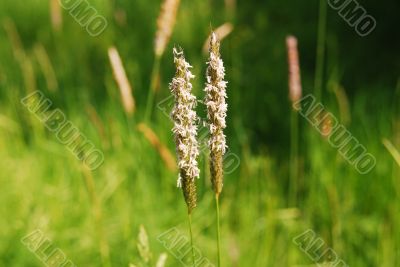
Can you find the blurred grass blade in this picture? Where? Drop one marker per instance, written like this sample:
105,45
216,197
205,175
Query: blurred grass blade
343,102
55,15
165,25
122,81
320,62
222,32
15,39
46,67
143,245
162,260
165,154
392,150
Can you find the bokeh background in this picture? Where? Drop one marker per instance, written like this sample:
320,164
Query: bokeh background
94,217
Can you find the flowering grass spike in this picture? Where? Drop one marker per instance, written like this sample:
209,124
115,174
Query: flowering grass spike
185,128
216,112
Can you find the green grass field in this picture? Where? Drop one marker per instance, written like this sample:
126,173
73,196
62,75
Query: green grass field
94,217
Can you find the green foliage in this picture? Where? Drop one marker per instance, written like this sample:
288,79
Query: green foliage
42,184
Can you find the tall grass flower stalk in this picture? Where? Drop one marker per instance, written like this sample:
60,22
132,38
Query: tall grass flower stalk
185,133
165,25
320,61
216,113
295,92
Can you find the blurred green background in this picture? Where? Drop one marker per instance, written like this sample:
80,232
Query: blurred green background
44,187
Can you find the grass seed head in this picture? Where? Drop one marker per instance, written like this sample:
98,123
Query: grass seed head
143,245
122,80
56,15
165,25
185,128
216,112
294,69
